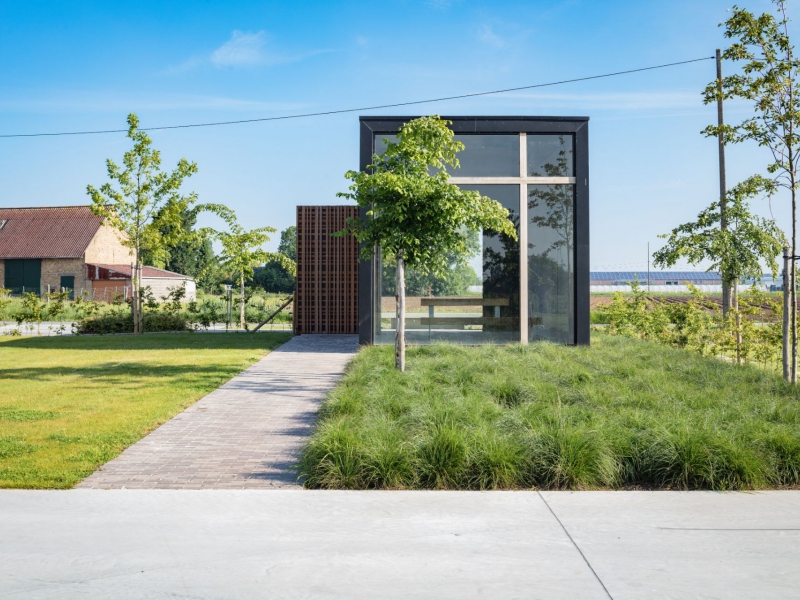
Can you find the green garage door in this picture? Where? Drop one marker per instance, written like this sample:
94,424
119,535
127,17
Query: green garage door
23,275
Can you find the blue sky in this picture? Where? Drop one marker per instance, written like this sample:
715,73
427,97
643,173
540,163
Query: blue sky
86,65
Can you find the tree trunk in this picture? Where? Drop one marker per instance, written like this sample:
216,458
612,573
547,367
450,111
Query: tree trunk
141,298
400,329
785,332
241,300
135,305
738,322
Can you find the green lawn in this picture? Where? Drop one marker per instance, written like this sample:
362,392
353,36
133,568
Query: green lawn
70,404
619,414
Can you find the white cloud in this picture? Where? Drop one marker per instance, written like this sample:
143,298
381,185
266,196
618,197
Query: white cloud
439,4
243,49
488,36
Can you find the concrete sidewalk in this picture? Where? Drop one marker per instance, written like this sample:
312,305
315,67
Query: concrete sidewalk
353,545
246,434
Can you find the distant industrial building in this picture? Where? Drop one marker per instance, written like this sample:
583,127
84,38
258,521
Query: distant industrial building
667,278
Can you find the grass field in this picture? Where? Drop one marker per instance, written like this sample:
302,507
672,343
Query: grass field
619,414
70,404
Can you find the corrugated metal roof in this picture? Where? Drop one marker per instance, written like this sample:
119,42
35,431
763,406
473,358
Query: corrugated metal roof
125,271
642,275
47,232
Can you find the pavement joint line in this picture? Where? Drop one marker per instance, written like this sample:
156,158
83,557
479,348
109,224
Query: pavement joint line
583,556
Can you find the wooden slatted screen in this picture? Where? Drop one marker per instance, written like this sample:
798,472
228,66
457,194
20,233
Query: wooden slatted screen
326,296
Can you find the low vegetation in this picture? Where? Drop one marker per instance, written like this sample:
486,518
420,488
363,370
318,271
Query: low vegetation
749,333
168,313
623,414
70,404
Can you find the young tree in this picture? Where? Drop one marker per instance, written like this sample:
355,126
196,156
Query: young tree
242,251
767,79
147,207
736,251
417,217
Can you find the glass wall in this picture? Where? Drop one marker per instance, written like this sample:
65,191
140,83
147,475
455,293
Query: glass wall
486,298
551,297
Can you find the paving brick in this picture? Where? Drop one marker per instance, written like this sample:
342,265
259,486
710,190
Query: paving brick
246,434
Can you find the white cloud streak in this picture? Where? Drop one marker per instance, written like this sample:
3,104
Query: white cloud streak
243,49
487,35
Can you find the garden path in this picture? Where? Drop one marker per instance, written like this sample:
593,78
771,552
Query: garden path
246,434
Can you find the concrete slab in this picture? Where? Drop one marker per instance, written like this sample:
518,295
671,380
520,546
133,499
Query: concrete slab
687,544
285,544
246,434
215,544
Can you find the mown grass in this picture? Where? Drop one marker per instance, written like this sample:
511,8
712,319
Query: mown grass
70,404
620,414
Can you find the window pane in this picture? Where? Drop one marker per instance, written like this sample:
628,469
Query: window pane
476,302
380,147
551,263
488,156
482,156
550,156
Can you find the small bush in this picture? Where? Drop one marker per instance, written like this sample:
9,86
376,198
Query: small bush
118,322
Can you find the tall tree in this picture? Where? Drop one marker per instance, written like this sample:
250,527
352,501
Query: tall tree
288,245
767,80
242,251
415,216
146,204
191,254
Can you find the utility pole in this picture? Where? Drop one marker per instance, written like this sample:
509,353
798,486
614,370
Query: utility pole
786,256
723,191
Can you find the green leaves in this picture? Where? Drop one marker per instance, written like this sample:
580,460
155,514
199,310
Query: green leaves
736,252
146,205
417,212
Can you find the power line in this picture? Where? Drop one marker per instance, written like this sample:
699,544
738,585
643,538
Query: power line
364,108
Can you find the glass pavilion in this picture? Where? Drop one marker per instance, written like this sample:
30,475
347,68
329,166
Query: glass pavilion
536,288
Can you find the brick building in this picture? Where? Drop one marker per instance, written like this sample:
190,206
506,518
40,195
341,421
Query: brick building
50,248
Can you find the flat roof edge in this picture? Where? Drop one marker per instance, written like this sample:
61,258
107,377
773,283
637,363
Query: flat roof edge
471,117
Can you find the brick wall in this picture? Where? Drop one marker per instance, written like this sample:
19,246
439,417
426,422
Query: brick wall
54,268
326,297
106,248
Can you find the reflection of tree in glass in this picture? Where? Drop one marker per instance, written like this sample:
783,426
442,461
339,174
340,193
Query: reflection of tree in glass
501,270
458,276
551,209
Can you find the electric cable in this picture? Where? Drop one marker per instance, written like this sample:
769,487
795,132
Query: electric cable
364,108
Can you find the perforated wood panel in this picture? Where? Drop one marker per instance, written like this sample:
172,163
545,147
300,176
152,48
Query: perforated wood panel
326,297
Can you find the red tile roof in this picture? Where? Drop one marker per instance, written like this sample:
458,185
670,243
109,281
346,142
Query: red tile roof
101,271
47,232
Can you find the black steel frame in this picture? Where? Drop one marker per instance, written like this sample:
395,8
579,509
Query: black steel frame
577,126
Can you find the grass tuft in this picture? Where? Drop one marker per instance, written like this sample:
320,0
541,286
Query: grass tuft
621,414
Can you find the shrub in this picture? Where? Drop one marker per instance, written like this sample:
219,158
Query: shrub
122,322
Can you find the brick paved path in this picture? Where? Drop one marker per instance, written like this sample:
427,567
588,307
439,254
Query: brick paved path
246,434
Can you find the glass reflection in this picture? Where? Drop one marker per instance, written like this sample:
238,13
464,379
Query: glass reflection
488,156
476,302
550,155
482,156
551,263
